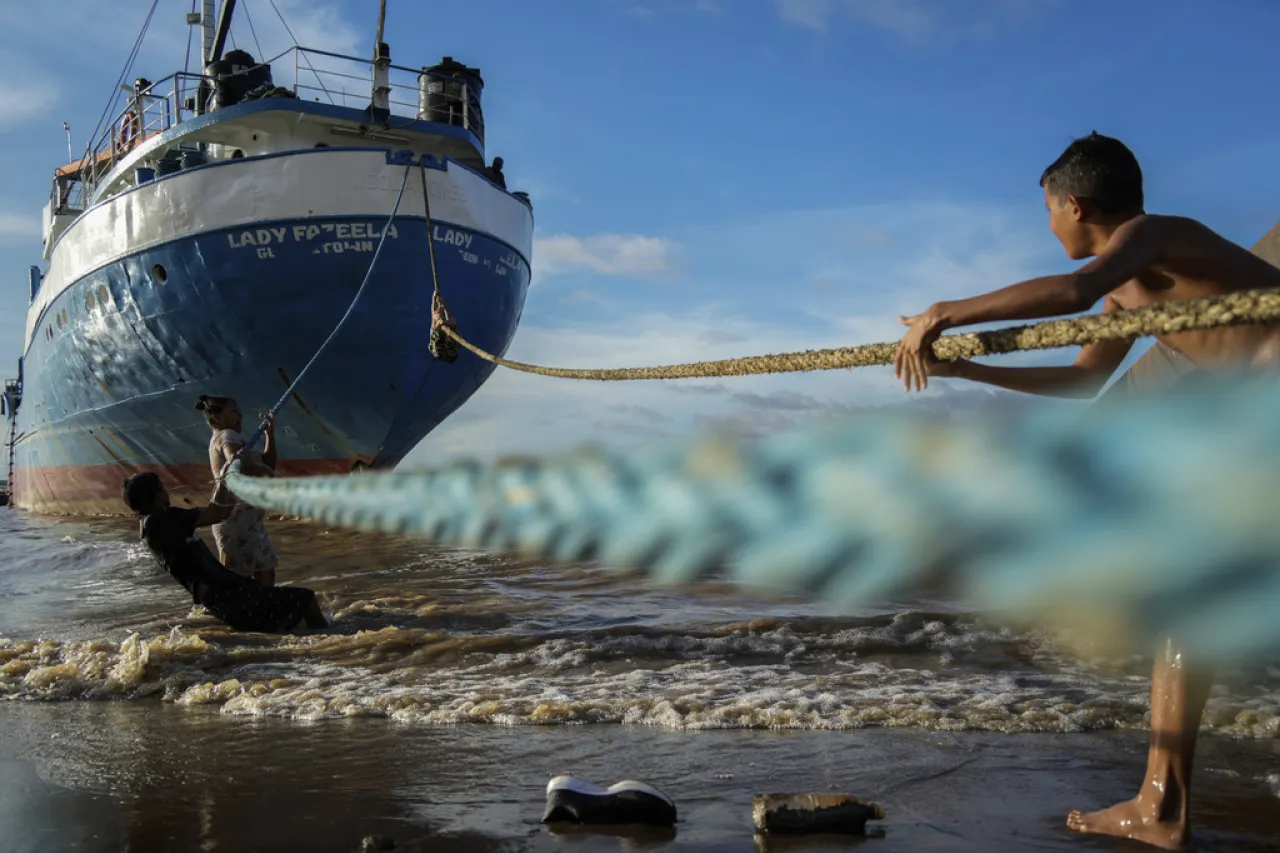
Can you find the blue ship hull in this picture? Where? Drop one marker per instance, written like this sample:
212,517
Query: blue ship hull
120,356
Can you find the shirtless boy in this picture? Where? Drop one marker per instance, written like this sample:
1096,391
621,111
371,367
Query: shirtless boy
1093,193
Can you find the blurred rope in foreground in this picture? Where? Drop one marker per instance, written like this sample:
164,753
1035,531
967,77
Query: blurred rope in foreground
1139,516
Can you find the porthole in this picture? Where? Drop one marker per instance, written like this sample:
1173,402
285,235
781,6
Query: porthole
59,322
88,300
103,295
159,274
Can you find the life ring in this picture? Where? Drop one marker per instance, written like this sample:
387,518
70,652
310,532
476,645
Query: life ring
128,134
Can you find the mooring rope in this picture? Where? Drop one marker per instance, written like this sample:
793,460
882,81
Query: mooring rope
1142,516
368,276
1250,306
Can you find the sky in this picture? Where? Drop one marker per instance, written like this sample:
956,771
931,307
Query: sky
719,178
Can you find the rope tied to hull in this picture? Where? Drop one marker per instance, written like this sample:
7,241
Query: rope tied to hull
444,329
368,276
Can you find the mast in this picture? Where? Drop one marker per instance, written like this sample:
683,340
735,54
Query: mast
380,107
220,34
214,38
206,26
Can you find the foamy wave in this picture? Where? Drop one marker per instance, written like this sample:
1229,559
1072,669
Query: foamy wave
743,676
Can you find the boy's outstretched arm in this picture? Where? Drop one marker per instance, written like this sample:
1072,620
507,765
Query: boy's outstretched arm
1133,247
1093,367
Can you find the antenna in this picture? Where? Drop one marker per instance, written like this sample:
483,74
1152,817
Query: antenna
70,156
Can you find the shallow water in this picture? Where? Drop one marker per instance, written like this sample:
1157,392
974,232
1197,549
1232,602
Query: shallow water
126,701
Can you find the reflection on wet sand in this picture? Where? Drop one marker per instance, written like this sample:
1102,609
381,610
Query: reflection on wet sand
143,776
632,837
814,843
163,778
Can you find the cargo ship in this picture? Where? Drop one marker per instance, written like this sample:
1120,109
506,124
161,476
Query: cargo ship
211,239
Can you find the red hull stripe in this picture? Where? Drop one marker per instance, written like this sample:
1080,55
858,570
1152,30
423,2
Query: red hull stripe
95,489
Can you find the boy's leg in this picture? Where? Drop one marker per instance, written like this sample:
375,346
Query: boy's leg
1160,814
265,578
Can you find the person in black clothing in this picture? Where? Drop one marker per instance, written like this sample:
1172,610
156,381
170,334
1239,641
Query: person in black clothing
240,602
495,173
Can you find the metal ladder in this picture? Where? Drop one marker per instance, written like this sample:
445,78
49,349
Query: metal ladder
13,430
13,397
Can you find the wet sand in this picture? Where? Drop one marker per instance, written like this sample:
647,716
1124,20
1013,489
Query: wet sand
144,776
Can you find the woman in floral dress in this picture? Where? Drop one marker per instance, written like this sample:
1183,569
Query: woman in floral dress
243,545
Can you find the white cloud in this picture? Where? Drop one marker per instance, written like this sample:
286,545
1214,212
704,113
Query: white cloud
909,19
653,8
606,254
323,26
320,26
585,296
807,13
19,225
914,20
22,101
25,94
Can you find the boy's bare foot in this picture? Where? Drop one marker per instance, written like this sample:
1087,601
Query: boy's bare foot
1134,819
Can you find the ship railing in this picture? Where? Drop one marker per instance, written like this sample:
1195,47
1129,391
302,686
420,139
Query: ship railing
415,93
67,194
147,112
318,75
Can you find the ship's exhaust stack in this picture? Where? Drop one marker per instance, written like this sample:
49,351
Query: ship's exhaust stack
450,92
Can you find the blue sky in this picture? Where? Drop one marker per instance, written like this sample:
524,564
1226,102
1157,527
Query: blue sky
714,178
